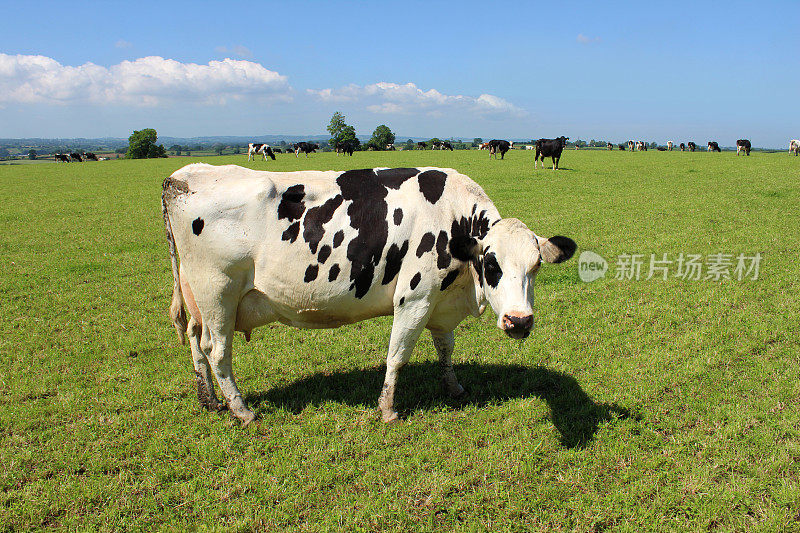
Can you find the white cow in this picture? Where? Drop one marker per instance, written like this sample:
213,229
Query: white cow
669,145
259,148
320,249
794,146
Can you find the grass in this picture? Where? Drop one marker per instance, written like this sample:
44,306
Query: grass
635,405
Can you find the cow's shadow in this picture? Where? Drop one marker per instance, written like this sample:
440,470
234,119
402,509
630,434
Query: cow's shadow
574,414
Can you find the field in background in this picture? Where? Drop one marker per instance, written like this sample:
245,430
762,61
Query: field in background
634,405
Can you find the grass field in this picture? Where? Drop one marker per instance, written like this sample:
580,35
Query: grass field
635,405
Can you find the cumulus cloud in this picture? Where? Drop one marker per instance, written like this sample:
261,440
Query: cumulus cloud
392,98
147,81
238,51
585,39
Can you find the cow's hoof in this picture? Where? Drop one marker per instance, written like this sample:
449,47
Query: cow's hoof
456,393
391,418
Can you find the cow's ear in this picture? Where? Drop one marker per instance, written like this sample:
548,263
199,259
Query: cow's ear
465,248
556,249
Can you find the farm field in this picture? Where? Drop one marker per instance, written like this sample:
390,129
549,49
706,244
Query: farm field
635,404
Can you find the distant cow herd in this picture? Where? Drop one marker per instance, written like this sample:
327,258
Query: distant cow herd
76,157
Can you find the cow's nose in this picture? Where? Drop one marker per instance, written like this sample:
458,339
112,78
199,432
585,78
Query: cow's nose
517,325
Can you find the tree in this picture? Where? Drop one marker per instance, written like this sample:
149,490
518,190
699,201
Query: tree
477,141
381,137
336,125
32,154
409,144
218,147
142,145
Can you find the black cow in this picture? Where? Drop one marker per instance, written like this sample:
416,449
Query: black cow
75,156
609,146
63,158
436,145
497,145
89,156
621,147
661,148
743,145
549,148
447,146
692,146
683,147
305,147
277,151
348,147
422,146
713,147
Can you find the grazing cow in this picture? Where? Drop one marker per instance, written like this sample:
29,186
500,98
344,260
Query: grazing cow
794,146
305,147
277,151
422,145
498,145
621,147
61,158
609,146
661,148
436,145
530,147
682,147
483,146
669,145
259,148
630,146
713,147
692,146
89,156
75,156
347,147
321,249
743,145
549,148
390,147
447,146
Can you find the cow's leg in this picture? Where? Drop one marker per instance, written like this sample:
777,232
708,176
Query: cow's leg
202,369
444,343
406,328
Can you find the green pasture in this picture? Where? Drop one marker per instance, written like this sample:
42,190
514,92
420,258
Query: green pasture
635,405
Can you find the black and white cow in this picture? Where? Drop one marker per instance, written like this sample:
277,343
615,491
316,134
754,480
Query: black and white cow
743,145
609,146
390,147
75,156
794,146
669,145
498,145
713,147
621,147
321,249
682,147
692,146
422,145
259,148
89,156
436,145
61,158
447,146
549,148
305,147
630,146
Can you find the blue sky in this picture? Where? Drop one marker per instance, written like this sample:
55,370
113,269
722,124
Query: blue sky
662,71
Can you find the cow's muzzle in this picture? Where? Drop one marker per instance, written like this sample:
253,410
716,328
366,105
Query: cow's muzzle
517,326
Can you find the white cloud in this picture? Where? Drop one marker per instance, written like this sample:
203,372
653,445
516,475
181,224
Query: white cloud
584,39
147,81
238,51
122,43
392,98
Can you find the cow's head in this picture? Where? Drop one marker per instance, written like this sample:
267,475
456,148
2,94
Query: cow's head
507,260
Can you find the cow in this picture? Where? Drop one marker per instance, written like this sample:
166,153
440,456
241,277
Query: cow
498,145
61,158
422,145
347,146
436,145
794,146
713,147
259,148
682,147
661,148
75,156
609,146
389,147
447,146
669,145
743,145
630,146
549,148
640,146
89,156
320,249
305,147
692,146
277,151
483,146
621,147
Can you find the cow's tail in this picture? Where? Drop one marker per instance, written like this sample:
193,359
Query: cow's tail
176,311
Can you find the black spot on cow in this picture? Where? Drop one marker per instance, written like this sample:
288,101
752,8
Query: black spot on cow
462,247
334,273
431,184
449,279
316,218
197,225
338,237
402,299
292,206
395,177
324,254
477,264
394,260
398,216
442,256
367,214
311,273
415,280
426,244
492,270
472,226
291,232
